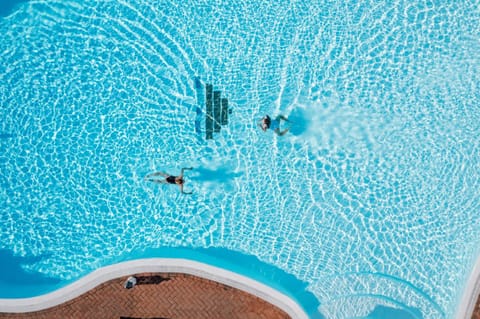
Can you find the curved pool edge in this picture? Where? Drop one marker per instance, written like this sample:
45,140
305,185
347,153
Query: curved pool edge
470,294
165,265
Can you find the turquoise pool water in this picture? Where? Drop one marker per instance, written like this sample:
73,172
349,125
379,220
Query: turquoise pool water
371,200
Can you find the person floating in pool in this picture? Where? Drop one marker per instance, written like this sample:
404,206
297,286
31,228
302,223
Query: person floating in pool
267,123
169,179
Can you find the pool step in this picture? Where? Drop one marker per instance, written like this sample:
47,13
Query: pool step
216,111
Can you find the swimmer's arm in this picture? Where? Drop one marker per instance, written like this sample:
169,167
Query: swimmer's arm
186,193
259,124
184,169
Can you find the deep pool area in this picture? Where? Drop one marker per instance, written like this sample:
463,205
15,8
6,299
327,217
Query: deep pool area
366,208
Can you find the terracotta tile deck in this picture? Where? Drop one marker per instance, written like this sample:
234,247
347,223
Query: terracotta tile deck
476,312
180,296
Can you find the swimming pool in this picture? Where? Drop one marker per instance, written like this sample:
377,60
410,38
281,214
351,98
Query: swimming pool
372,198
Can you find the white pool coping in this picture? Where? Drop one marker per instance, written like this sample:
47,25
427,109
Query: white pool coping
470,294
167,265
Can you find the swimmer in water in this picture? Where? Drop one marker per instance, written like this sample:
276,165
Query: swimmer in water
267,123
169,179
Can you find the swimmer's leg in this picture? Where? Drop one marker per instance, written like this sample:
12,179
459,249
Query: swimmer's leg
157,174
281,117
157,181
281,133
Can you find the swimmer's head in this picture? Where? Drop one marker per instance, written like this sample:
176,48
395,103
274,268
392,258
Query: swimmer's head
266,121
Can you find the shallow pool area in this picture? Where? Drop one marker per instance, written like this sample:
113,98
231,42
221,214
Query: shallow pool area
367,207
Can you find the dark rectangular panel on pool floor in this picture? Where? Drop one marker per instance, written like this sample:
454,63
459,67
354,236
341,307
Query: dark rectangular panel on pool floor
217,108
224,111
209,111
199,106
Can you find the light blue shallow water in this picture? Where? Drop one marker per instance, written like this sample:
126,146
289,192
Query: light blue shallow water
372,199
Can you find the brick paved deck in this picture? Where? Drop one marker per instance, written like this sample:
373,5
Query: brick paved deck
476,312
180,296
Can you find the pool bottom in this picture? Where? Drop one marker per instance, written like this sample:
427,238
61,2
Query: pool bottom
160,265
